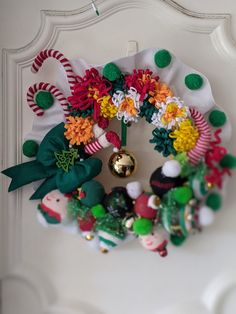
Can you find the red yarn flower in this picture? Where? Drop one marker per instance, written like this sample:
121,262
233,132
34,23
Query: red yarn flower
212,158
88,90
143,81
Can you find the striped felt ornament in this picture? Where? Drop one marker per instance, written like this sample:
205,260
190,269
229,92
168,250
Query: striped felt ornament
46,87
204,139
47,53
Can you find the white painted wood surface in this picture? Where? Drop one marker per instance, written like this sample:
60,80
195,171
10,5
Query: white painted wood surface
48,271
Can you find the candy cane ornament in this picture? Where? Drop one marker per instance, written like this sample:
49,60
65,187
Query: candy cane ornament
204,139
45,54
46,87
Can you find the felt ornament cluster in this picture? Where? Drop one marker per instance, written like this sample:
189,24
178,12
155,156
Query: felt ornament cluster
185,192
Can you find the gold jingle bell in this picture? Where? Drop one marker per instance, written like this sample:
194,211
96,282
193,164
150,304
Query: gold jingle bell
122,164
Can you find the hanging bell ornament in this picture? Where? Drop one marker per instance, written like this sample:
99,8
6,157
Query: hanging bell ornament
122,164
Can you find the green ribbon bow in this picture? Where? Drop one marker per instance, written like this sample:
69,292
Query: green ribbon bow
45,166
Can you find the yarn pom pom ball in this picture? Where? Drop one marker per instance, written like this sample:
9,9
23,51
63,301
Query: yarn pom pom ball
217,118
205,216
30,148
182,195
193,81
171,168
44,99
111,72
214,201
228,161
162,58
98,211
142,226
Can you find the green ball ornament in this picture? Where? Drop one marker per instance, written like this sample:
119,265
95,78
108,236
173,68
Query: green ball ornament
98,211
182,195
214,201
193,81
217,118
44,100
111,72
162,58
228,161
142,226
30,148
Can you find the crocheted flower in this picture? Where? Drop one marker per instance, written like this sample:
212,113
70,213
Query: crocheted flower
143,81
88,90
159,95
170,113
107,109
128,105
147,110
185,136
79,130
163,143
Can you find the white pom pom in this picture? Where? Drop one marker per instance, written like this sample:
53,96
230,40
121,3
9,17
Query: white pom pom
134,189
171,168
206,216
115,149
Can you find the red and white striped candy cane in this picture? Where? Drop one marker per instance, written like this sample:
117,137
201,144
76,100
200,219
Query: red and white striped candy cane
204,139
104,140
45,54
50,88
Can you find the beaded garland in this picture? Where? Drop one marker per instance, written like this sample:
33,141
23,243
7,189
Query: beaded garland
184,193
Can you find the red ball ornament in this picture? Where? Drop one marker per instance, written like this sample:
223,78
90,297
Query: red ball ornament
142,209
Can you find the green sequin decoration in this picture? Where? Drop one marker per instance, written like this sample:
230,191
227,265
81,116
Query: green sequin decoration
111,225
66,159
163,143
76,209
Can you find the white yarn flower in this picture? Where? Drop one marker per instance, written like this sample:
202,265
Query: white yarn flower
170,113
128,105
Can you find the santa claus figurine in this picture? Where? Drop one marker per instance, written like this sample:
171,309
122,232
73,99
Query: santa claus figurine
156,241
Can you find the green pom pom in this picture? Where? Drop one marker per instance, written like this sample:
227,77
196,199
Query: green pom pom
193,81
162,58
228,161
217,118
182,195
98,211
111,72
30,148
142,226
44,99
177,240
214,201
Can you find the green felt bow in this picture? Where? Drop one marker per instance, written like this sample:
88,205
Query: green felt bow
45,166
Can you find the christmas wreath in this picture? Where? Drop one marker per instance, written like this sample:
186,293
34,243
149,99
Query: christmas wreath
71,127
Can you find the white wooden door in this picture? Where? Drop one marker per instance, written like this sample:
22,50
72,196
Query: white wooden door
49,271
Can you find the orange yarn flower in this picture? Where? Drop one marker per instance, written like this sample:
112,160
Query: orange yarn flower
160,94
79,130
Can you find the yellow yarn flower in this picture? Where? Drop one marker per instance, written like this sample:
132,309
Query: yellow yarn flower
185,136
107,109
79,130
161,93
